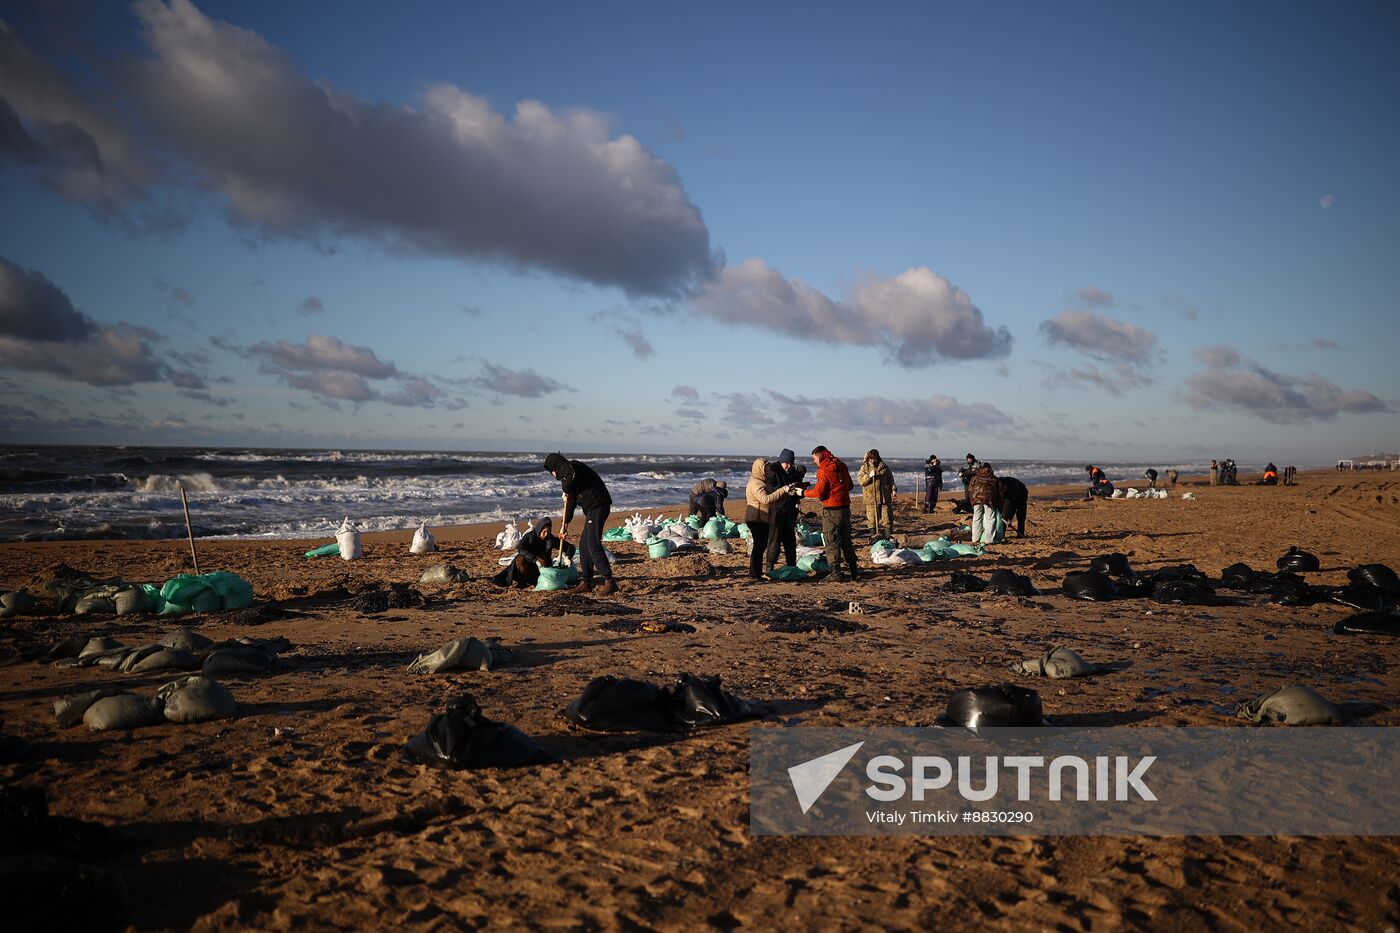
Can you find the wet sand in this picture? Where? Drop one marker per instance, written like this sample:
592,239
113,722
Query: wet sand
301,814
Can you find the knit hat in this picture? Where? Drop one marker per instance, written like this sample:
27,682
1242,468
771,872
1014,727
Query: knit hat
787,457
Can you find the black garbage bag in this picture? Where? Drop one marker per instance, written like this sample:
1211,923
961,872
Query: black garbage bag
701,701
1188,593
1008,583
613,704
1091,585
1378,575
1289,589
1138,587
1181,573
463,738
1297,561
1115,565
1238,577
1369,623
43,892
994,705
963,582
1363,596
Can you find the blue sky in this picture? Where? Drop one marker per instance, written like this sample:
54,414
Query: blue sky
1090,231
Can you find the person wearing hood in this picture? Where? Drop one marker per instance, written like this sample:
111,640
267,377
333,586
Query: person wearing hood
833,490
985,494
877,487
707,498
585,490
535,549
782,521
760,497
933,483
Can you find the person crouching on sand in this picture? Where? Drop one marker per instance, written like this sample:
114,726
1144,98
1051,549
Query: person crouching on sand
833,490
585,489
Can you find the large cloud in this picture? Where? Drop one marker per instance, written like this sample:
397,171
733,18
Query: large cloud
522,383
1233,382
544,189
867,415
41,331
918,316
1130,351
336,371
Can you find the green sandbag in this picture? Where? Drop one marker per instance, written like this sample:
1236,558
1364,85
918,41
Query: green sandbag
182,590
730,530
325,550
962,549
154,601
787,574
744,531
713,529
940,548
557,578
814,563
694,522
813,539
234,592
617,534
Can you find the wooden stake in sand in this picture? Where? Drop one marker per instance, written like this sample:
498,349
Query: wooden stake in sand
189,529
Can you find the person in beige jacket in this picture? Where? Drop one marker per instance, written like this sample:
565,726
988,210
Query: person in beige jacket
759,496
877,485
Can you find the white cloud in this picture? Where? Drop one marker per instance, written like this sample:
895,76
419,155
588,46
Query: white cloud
1235,383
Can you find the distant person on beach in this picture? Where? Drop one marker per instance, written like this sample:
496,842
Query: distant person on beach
833,490
1098,482
1214,473
1171,477
1290,475
985,495
1151,475
1270,476
782,515
933,483
877,486
760,497
1229,473
584,489
966,473
707,498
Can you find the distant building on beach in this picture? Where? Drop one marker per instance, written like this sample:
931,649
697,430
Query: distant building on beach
1374,461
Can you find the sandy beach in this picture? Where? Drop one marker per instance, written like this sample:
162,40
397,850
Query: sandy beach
300,813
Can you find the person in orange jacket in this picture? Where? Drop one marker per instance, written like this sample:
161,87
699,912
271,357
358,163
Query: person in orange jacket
833,490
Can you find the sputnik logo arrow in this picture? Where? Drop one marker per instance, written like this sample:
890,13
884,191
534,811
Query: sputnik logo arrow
811,778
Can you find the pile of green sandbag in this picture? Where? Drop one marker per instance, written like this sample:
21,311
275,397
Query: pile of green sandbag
620,533
943,549
208,592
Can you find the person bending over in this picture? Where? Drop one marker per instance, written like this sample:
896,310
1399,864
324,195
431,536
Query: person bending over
585,489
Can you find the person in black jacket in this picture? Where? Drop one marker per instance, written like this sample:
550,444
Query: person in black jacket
585,489
782,533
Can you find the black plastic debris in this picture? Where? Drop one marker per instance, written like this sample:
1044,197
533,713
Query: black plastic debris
1378,575
964,582
1115,565
1369,623
462,738
1091,585
1008,583
995,705
611,704
1296,561
1238,576
1363,596
1188,593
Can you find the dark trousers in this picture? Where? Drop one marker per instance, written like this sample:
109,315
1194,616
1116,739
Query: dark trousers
931,498
836,532
759,532
782,534
591,555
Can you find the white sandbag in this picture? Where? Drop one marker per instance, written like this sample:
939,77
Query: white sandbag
1118,494
1188,495
464,654
509,539
1132,494
423,541
805,551
899,557
349,540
